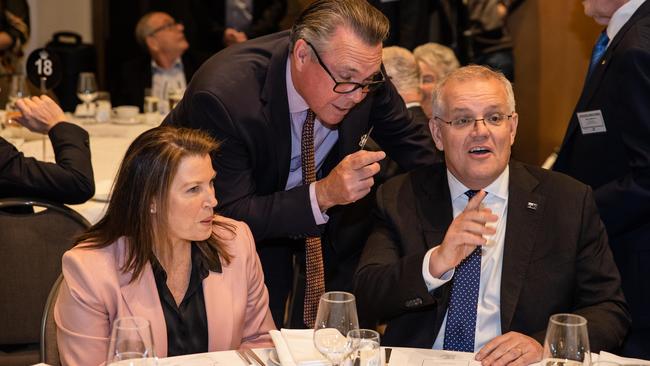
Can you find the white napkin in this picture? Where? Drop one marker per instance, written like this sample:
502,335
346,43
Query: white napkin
606,356
295,347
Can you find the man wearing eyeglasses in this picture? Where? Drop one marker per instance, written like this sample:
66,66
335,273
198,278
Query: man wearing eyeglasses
287,174
164,67
476,253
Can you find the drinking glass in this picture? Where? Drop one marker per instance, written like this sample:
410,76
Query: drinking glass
131,343
336,316
87,89
567,341
17,90
366,343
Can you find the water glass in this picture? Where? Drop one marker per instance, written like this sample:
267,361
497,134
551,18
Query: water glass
336,316
87,92
367,346
131,343
567,341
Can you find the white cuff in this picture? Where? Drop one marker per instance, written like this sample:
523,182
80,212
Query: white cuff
320,217
433,282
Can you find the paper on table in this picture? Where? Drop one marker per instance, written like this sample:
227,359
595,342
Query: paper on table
103,190
295,347
606,356
429,357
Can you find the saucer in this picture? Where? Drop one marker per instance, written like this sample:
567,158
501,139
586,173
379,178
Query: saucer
126,121
273,358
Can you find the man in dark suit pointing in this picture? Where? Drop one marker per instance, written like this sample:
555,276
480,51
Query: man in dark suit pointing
260,98
475,254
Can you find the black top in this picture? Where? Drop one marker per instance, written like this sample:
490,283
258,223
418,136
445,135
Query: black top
187,325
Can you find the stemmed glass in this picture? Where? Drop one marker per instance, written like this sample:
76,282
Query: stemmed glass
367,346
131,343
87,89
567,341
336,316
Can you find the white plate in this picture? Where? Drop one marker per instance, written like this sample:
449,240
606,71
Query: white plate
273,358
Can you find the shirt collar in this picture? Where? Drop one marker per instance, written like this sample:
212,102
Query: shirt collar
621,16
178,64
296,103
413,104
498,188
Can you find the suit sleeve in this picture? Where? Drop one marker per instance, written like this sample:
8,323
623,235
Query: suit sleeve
598,295
81,316
258,320
624,203
385,276
236,190
405,141
69,180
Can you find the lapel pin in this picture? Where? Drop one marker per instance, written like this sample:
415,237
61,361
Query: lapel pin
531,206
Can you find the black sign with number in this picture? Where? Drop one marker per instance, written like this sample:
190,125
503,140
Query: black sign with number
42,63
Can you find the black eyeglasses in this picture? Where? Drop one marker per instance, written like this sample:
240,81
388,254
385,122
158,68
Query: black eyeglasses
163,27
346,87
495,119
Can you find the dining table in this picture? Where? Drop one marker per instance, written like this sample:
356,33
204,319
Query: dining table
108,144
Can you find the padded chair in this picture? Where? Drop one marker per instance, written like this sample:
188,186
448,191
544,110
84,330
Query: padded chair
34,234
49,348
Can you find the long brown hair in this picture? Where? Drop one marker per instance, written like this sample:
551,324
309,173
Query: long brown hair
145,176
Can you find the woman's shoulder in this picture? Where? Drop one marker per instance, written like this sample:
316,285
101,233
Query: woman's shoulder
230,229
85,255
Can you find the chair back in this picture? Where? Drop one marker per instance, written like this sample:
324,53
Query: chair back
49,348
31,247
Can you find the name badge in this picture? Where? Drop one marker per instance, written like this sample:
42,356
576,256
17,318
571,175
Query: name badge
591,122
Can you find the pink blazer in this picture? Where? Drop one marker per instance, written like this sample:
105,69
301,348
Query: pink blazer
94,293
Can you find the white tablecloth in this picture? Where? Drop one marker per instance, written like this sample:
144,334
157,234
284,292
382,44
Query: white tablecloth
108,143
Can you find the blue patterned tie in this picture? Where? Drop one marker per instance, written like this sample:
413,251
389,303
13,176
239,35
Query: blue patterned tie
599,50
461,314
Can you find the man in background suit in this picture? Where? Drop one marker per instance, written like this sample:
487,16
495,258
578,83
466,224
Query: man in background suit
607,145
256,98
529,243
164,66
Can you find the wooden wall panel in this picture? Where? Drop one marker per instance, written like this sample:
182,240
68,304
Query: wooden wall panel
553,40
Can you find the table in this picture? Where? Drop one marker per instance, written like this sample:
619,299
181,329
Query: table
108,143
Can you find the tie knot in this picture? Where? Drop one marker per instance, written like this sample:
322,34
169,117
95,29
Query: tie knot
471,193
603,40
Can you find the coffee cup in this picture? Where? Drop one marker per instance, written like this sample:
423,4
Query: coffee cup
126,112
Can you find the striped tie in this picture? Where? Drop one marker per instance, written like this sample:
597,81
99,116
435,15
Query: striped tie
315,284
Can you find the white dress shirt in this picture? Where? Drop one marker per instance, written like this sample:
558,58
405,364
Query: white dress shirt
620,17
488,319
167,81
324,140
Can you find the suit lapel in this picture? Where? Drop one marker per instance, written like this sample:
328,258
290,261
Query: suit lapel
525,213
141,299
220,320
593,81
434,207
276,112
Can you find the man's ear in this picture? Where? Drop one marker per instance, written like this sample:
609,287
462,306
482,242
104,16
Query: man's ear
301,54
434,127
152,44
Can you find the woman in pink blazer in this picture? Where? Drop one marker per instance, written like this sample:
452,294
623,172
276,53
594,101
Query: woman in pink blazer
162,254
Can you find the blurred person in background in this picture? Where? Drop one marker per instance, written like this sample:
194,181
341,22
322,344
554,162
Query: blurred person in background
14,33
161,253
164,67
435,62
70,179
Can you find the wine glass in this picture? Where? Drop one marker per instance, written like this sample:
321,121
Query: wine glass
17,90
567,341
87,90
367,346
336,316
131,343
